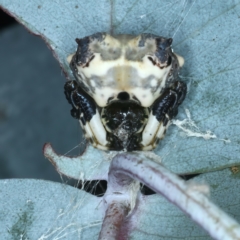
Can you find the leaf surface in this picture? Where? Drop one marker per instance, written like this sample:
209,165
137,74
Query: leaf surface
206,33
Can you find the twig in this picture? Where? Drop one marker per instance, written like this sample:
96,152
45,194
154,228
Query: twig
120,199
128,166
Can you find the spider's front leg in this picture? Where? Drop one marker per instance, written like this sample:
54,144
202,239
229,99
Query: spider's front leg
163,110
84,108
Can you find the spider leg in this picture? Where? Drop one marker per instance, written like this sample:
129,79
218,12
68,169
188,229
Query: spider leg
163,110
84,108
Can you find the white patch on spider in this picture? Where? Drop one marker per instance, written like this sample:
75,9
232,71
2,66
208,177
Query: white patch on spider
88,130
190,129
153,83
180,60
160,133
98,129
150,130
93,83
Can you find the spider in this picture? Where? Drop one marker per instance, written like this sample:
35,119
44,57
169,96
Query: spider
126,91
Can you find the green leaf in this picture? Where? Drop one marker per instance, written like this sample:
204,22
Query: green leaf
206,34
37,209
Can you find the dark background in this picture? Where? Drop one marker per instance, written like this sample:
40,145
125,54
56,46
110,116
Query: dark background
33,108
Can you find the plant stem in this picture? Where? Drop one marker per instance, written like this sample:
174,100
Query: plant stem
189,198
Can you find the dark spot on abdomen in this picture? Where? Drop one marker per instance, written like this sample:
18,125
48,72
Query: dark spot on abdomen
123,96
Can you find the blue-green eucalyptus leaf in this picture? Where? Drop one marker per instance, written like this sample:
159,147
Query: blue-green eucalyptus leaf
205,33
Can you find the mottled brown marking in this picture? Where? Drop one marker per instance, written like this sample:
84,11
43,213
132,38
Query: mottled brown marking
234,169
